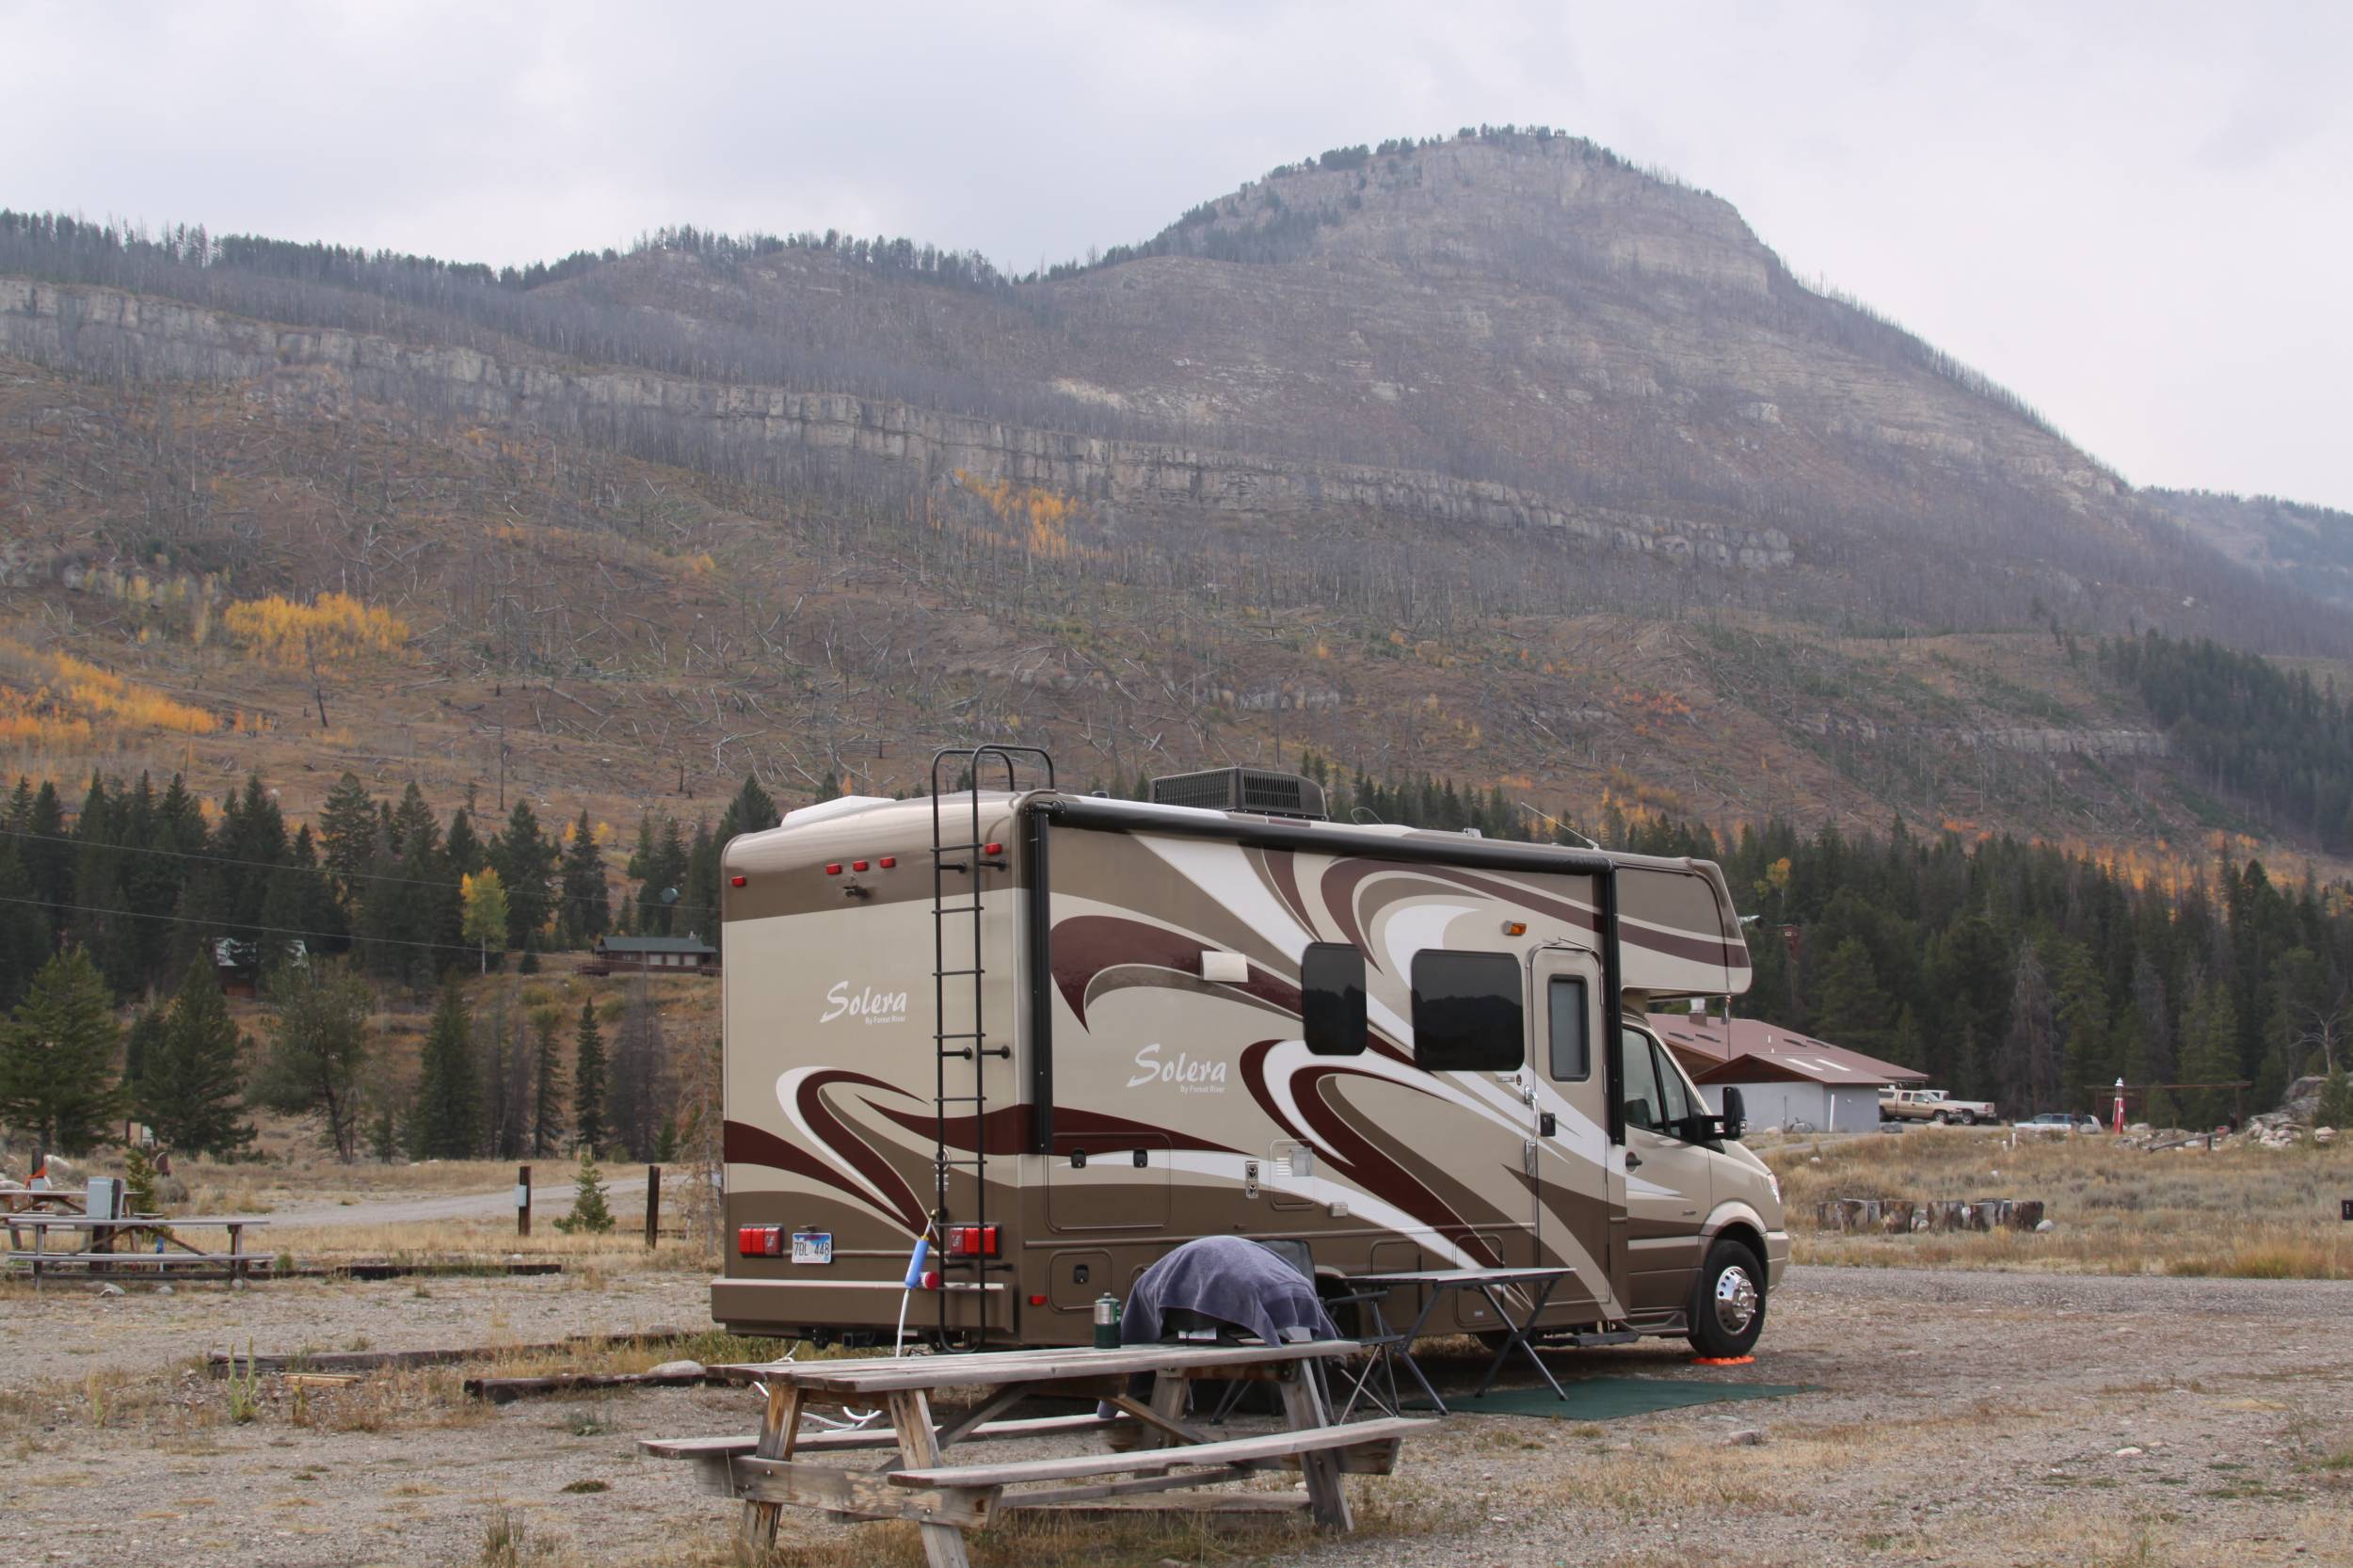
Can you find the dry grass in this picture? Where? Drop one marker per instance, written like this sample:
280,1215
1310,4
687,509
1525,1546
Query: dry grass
2242,1213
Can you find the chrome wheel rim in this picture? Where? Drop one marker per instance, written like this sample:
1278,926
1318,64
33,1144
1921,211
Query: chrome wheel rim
1735,1300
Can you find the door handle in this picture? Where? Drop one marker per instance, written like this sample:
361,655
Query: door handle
1633,1160
1548,1125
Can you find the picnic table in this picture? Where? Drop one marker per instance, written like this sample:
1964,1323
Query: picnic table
947,1498
1534,1285
30,1200
141,1231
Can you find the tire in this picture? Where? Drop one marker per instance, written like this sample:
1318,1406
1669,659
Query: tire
1728,1302
1940,1118
1968,1118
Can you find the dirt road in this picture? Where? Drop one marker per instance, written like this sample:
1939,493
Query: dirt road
548,1201
1968,1418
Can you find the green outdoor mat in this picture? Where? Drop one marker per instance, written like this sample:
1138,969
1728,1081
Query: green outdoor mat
1608,1399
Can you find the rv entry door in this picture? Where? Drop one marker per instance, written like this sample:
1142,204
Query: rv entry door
1575,1203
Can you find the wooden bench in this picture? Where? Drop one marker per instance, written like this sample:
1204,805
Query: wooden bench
771,1470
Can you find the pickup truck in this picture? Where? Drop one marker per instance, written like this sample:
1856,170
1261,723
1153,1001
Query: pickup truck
1932,1105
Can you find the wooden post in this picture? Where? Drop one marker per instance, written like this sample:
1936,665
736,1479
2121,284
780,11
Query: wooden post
653,1205
522,1200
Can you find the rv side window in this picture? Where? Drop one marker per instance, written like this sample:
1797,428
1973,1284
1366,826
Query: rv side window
1572,1053
1641,1089
1467,1012
1332,999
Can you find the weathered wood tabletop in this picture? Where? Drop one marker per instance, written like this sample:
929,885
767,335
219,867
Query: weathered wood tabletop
947,1498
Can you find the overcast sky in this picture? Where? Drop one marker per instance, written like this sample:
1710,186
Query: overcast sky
2137,216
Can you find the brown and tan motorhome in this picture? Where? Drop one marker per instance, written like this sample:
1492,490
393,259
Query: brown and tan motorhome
1059,1034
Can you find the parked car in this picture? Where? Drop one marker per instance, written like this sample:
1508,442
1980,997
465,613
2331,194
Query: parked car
1932,1105
2063,1121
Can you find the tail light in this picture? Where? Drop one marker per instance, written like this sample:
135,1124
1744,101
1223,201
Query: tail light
971,1241
760,1242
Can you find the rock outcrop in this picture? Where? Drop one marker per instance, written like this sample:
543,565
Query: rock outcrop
111,332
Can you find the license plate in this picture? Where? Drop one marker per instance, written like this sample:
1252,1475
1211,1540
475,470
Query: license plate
812,1246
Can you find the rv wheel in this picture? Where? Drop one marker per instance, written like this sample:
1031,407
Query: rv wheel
1728,1302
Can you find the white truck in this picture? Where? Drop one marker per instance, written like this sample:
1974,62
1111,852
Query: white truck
1932,1105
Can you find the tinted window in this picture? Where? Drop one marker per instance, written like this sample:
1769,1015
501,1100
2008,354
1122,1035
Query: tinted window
1570,1049
1467,1012
1332,999
1641,1089
1674,1097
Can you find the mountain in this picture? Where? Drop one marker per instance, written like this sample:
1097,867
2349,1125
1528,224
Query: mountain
1490,455
2310,547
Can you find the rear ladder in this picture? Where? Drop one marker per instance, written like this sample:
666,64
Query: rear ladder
957,934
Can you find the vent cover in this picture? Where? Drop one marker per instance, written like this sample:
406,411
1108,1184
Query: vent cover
1259,790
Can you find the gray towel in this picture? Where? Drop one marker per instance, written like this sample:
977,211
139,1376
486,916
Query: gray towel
1233,1280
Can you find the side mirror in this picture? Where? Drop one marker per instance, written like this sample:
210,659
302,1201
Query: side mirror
1736,1116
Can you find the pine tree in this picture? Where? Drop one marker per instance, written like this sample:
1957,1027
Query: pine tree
448,1120
462,851
318,1049
526,859
587,907
2335,1108
2209,1054
24,940
589,1210
752,810
347,829
48,854
641,1093
589,1126
1854,1012
190,1088
252,841
2029,1060
58,1057
547,1079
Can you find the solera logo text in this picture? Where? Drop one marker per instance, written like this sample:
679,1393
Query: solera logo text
1188,1075
869,1005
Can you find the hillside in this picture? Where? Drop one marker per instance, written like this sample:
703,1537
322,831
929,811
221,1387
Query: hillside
1493,457
2311,547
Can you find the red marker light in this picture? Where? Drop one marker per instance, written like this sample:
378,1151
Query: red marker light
992,849
971,1241
858,865
735,882
1037,1300
888,861
834,868
930,1279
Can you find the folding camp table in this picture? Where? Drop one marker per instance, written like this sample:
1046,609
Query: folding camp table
1441,1283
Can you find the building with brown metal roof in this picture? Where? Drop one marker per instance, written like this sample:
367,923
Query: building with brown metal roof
1786,1078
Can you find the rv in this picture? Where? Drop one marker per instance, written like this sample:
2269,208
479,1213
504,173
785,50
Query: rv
1050,1036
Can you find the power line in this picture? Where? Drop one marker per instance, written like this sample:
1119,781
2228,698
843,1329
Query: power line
285,865
225,927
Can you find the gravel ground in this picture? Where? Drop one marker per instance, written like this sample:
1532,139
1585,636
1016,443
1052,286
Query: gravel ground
1962,1419
67,1331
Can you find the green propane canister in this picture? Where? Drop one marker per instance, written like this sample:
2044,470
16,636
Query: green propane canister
1107,1322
